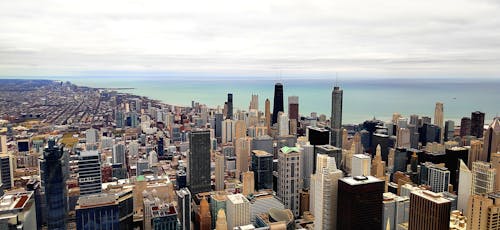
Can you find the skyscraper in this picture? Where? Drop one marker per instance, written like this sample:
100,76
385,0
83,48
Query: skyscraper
465,124
464,187
219,172
439,118
483,178
89,172
438,178
248,183
361,165
243,148
289,178
477,124
262,166
184,206
283,124
429,210
221,220
483,211
3,144
238,211
492,139
53,179
229,106
336,117
203,217
325,196
449,130
219,117
199,161
268,115
360,199
7,170
254,103
228,129
293,107
278,102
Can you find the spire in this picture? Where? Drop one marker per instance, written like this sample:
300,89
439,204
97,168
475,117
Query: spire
221,223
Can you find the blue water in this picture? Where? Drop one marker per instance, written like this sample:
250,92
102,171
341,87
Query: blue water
363,99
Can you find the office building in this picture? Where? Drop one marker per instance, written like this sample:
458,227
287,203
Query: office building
158,214
219,171
238,211
7,171
293,107
378,166
492,139
184,208
360,201
306,164
325,196
243,147
119,156
429,210
289,178
228,129
229,106
198,173
396,211
318,136
477,124
221,220
17,210
495,163
278,102
361,165
336,117
89,172
3,144
403,138
203,217
464,187
262,166
267,113
483,178
283,124
91,136
240,129
483,211
219,117
331,151
53,180
439,118
438,178
476,152
449,130
465,125
248,183
254,102
217,202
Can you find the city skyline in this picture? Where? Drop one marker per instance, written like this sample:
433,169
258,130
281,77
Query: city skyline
263,39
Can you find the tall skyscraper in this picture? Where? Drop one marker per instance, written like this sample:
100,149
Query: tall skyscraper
184,206
361,165
89,172
221,220
268,115
254,103
360,201
306,164
3,144
293,107
229,106
228,129
429,210
465,125
203,217
262,166
278,102
449,130
477,124
325,196
283,124
378,166
240,129
476,152
438,178
219,117
119,156
243,146
248,183
492,139
238,211
199,161
483,211
483,178
336,117
7,171
439,118
289,178
219,172
464,187
53,180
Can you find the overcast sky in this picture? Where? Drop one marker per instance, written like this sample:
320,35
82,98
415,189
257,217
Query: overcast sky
355,38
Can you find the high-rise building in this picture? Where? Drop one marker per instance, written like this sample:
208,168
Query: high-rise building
243,146
219,117
429,210
18,210
476,152
464,187
91,136
289,178
268,115
119,156
203,217
325,196
403,138
278,102
306,164
7,171
262,166
378,166
53,181
240,129
248,183
438,178
158,214
254,102
439,118
293,107
238,211
361,165
229,106
219,172
283,124
483,211
449,130
184,206
396,211
477,124
89,172
221,220
360,199
228,129
318,136
495,163
492,139
336,117
465,125
198,173
3,144
483,178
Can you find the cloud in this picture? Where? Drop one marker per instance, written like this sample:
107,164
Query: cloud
308,38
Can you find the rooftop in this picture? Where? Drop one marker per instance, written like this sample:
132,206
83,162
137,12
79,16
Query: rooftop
432,196
13,201
287,149
237,199
360,180
261,153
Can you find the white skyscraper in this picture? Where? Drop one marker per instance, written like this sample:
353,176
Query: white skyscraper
119,154
361,165
306,164
91,136
219,172
289,178
483,178
464,187
438,178
325,196
89,172
238,210
403,138
3,144
283,124
228,129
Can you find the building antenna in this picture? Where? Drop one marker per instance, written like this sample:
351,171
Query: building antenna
336,79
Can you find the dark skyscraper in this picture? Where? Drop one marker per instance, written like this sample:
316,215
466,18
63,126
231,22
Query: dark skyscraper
199,161
278,102
477,124
465,127
51,167
429,210
262,166
229,106
360,201
293,108
336,118
219,117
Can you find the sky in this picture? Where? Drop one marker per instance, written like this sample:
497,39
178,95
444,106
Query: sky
320,38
